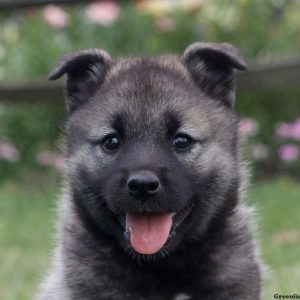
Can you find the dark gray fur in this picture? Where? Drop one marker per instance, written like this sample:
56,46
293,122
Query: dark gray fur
213,254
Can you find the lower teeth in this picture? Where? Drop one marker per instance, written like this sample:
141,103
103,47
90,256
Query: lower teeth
172,234
127,234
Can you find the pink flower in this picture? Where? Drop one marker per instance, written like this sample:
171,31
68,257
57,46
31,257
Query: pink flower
248,127
288,152
289,130
295,131
283,130
104,13
48,158
55,16
165,24
260,151
9,152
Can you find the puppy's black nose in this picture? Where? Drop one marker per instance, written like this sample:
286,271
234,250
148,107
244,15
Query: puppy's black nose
143,184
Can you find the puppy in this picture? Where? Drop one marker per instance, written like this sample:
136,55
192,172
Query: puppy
153,206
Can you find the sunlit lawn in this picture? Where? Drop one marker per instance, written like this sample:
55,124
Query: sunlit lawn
278,208
26,233
27,214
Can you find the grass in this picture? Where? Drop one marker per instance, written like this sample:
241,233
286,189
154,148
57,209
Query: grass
278,208
26,227
26,233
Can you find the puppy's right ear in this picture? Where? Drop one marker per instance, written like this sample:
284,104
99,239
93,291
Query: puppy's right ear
86,71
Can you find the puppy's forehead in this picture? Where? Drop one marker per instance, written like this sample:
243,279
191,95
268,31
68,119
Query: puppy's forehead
149,87
148,81
147,93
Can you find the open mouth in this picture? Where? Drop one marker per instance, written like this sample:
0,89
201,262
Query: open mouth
149,232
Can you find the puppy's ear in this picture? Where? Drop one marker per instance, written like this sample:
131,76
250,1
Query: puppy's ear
85,71
212,68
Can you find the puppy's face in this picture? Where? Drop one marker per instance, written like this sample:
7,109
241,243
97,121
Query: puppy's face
151,154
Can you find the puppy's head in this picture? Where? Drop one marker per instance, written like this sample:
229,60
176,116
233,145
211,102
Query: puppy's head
151,143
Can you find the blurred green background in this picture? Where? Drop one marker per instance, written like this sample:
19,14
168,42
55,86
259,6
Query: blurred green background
33,39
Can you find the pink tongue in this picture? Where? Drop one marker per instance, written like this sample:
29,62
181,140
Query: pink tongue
148,232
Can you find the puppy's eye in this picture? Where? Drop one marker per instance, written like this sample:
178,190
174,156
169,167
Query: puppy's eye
182,141
111,142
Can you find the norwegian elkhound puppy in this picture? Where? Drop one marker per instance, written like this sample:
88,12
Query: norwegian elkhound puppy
152,205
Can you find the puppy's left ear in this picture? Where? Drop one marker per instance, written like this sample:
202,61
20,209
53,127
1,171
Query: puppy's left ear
212,68
86,71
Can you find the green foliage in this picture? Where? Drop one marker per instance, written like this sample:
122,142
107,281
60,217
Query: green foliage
33,46
260,28
269,108
31,128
